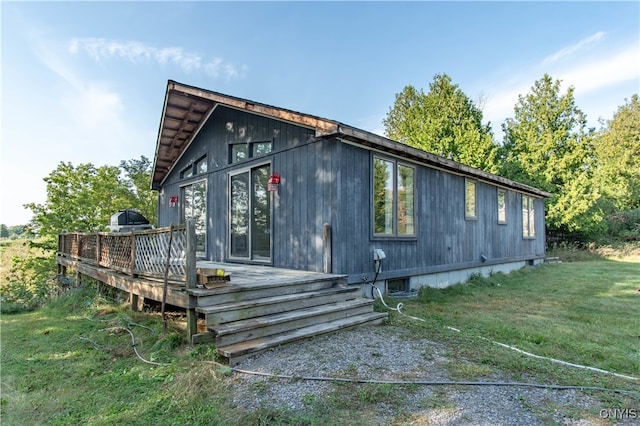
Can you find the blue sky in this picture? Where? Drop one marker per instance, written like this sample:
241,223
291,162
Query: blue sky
84,82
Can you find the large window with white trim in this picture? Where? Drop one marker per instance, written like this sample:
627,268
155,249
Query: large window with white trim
393,198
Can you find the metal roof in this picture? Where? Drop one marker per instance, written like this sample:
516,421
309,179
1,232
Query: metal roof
187,108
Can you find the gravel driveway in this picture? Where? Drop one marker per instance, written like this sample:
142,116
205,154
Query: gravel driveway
389,353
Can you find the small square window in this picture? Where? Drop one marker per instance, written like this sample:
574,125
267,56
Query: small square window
187,173
261,148
201,166
398,285
198,167
239,152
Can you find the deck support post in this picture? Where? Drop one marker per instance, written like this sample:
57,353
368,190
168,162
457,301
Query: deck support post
191,279
137,303
326,248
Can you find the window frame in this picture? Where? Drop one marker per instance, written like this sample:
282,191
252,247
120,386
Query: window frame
502,210
193,169
395,199
250,150
528,217
470,215
250,258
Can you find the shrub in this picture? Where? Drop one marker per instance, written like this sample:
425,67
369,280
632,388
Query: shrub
624,225
29,280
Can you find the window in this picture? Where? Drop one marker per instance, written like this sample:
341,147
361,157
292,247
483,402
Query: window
469,199
502,206
245,150
398,285
393,198
528,217
200,166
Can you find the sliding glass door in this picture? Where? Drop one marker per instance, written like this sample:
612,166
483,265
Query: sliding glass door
250,214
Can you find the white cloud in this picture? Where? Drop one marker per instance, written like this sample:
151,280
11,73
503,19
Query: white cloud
589,74
570,50
609,70
100,49
94,105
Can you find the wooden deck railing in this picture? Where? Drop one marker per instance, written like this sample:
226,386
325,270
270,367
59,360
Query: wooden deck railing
142,253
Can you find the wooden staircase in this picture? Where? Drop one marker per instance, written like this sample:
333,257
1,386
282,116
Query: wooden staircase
252,317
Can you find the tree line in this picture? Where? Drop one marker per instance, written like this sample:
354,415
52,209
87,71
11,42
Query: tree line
593,175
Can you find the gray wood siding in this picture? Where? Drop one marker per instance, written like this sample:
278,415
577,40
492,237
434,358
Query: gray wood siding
303,204
443,235
328,181
226,126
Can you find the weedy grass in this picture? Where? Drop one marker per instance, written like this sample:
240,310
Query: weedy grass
72,362
586,313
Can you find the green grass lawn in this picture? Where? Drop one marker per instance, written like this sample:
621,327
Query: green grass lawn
586,313
71,363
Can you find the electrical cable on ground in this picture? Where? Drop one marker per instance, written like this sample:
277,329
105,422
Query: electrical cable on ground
370,381
134,344
429,382
388,382
399,307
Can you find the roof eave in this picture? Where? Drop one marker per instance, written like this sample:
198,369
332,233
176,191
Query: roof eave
389,145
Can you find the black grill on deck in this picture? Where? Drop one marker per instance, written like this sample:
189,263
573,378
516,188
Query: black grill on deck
128,220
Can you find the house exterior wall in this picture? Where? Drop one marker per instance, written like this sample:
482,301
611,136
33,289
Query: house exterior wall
330,181
444,239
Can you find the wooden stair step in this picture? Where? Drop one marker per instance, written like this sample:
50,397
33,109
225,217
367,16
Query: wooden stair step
229,312
239,351
248,329
260,289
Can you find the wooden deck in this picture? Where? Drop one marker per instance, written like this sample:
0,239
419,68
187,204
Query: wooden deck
260,307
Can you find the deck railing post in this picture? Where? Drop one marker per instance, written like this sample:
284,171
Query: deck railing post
98,249
190,272
133,255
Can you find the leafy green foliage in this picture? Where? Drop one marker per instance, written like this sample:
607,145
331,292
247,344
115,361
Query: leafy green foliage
547,145
83,198
27,275
79,198
138,181
617,149
443,121
624,225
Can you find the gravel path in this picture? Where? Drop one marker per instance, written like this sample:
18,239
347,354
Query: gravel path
388,353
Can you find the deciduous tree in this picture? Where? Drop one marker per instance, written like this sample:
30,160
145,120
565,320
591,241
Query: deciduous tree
83,198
